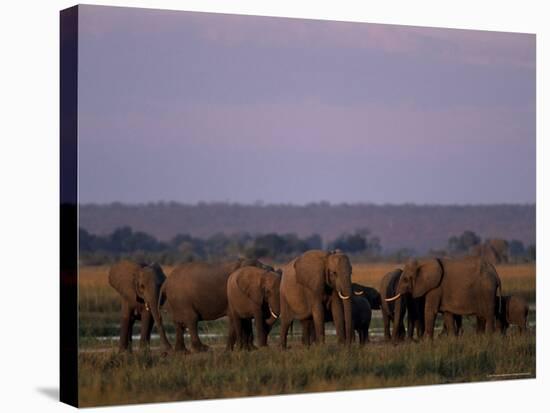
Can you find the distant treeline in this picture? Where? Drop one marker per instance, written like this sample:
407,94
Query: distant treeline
422,227
124,242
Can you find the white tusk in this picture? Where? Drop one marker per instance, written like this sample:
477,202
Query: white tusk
358,292
147,307
393,298
275,316
343,297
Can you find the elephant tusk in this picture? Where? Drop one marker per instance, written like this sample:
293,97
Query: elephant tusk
275,316
358,292
343,297
393,298
147,308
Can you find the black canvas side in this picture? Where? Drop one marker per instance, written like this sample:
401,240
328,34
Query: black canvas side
68,206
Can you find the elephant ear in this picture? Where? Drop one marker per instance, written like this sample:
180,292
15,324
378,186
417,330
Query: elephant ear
428,277
250,284
122,279
311,270
138,297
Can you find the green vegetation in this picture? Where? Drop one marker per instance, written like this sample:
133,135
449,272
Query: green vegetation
111,378
124,242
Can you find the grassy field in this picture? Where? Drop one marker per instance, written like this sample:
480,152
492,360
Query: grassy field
107,377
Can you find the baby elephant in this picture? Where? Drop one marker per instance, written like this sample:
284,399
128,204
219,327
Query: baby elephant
361,314
253,293
513,310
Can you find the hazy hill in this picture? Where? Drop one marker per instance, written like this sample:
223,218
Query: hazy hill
415,226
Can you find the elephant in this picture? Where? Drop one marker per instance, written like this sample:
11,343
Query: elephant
307,283
513,310
139,286
361,314
253,293
371,294
197,291
494,250
461,286
509,310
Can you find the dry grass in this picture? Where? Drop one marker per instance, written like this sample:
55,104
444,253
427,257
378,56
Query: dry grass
111,378
364,273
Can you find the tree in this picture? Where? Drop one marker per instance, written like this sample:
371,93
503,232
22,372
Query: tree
360,242
464,243
516,248
531,252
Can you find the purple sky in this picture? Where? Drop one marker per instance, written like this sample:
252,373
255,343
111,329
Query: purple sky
210,107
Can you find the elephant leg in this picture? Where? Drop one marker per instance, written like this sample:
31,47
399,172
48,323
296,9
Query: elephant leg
196,343
458,323
338,319
248,334
480,325
523,326
307,331
420,325
146,327
362,337
180,343
386,320
260,331
430,323
450,323
237,324
433,299
285,324
286,321
231,336
490,324
125,324
319,322
410,327
131,330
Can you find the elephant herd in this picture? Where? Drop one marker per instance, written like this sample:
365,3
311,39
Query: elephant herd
313,288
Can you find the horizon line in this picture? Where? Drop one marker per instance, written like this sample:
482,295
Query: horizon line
263,204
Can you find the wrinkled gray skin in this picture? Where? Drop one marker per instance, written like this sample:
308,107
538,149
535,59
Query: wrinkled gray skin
253,293
197,291
307,282
465,286
138,286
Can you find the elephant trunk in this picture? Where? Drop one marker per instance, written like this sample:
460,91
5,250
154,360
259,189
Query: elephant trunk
154,305
273,316
348,323
397,318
